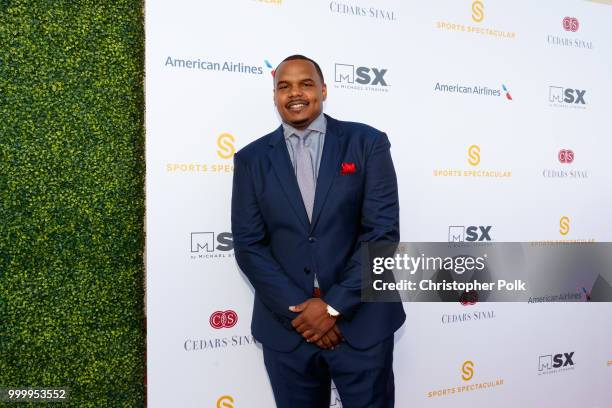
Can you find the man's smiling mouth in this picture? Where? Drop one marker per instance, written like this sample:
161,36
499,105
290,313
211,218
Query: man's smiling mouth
297,106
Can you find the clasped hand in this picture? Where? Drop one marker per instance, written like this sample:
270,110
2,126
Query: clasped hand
315,324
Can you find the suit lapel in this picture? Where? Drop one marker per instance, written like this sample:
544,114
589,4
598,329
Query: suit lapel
329,167
279,157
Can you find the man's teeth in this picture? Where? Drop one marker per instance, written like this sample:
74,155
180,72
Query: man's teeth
297,106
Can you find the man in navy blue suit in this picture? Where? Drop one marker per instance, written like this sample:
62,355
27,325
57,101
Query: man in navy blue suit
304,199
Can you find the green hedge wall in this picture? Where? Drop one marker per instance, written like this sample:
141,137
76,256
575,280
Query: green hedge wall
72,207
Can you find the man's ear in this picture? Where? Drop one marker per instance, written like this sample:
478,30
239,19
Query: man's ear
324,92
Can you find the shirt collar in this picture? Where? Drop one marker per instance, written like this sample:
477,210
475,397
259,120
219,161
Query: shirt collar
317,125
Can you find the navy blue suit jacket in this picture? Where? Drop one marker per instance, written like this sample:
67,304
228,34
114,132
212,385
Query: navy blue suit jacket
278,249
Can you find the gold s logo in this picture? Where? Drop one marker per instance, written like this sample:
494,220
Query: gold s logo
474,155
477,11
467,370
564,225
225,143
225,401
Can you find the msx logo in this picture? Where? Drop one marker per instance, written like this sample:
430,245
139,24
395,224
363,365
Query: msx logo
349,74
550,361
461,233
205,241
558,94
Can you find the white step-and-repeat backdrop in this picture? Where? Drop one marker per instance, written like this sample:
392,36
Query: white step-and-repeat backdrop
499,114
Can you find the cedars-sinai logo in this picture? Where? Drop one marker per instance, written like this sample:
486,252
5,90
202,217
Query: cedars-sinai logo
565,156
223,319
571,24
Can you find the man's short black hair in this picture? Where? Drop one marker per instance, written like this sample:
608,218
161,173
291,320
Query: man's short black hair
302,57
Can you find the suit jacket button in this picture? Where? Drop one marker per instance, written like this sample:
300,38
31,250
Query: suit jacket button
306,270
311,239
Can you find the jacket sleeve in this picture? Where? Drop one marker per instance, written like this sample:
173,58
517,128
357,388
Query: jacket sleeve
272,285
379,223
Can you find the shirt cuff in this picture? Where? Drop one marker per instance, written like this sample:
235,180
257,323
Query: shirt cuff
332,311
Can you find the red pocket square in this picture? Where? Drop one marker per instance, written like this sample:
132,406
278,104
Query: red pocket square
348,168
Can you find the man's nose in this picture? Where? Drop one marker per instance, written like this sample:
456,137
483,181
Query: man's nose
296,91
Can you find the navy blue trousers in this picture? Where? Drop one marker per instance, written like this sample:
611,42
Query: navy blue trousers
302,378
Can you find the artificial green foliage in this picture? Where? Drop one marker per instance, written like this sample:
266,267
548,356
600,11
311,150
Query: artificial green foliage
72,199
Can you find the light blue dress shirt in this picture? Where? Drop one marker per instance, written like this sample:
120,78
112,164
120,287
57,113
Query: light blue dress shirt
314,136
